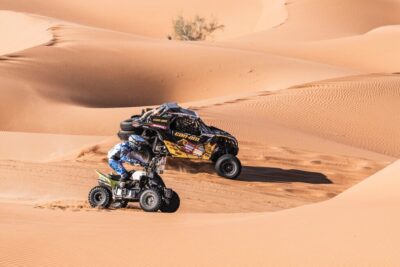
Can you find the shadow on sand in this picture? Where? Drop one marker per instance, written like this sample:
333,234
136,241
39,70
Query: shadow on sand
256,174
277,175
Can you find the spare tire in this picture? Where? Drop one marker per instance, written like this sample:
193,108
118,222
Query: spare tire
126,125
124,135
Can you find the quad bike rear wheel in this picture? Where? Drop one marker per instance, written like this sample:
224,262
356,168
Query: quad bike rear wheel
150,200
228,166
172,204
100,197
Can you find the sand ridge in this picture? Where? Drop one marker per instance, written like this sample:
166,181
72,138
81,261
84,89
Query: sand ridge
21,31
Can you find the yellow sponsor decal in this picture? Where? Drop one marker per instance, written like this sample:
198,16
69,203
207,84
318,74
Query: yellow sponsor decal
187,136
209,149
177,152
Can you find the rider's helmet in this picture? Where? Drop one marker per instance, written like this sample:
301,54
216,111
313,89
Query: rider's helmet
136,141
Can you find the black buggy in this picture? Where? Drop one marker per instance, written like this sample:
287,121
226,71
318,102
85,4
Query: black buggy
177,132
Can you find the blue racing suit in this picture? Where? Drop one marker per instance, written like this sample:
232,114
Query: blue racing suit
121,153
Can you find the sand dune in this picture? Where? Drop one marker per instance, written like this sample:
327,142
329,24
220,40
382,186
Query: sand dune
275,179
307,86
360,35
346,225
70,74
320,20
361,111
300,19
374,51
155,18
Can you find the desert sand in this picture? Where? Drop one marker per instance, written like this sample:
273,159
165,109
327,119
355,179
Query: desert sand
310,89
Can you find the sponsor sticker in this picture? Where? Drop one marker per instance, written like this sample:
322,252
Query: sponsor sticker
188,148
158,126
198,152
187,136
160,120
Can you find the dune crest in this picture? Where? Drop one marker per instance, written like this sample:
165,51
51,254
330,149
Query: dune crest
140,18
21,31
310,20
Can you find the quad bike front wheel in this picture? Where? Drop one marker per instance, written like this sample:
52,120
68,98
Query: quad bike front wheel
172,204
100,197
150,200
228,166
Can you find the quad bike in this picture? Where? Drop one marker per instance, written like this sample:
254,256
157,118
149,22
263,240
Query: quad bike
146,187
182,134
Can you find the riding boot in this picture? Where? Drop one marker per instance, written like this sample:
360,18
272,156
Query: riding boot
124,178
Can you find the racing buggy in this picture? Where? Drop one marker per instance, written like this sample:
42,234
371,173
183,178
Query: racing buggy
181,133
145,187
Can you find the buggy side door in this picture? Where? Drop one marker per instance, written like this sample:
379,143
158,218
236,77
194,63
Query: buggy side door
186,134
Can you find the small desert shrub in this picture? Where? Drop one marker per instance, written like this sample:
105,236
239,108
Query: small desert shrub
197,29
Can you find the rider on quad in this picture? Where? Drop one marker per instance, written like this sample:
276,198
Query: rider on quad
126,152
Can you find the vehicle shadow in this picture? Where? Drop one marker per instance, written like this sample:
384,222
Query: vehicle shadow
255,173
277,175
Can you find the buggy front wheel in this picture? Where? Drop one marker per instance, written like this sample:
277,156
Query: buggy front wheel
228,166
